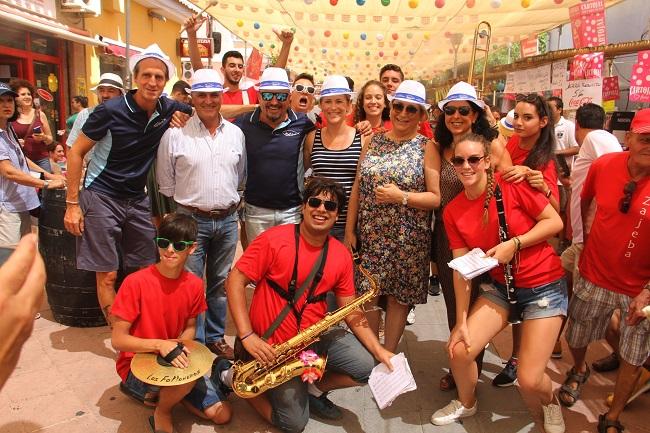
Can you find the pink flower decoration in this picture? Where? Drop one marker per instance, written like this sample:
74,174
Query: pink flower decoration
311,375
308,357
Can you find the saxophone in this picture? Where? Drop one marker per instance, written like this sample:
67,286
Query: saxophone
252,378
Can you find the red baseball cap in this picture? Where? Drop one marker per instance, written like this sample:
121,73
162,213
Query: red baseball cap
641,122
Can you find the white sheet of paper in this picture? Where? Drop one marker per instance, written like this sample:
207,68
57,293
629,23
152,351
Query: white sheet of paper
386,386
473,264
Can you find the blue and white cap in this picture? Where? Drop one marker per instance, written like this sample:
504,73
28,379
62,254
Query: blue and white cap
5,89
462,91
206,80
411,91
274,79
506,124
153,51
335,85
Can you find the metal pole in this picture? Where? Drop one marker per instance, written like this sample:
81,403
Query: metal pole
127,37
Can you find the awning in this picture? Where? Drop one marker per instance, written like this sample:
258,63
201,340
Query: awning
117,48
47,25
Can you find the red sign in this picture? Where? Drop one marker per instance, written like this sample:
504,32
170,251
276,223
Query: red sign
588,24
45,95
610,89
586,66
205,47
529,46
640,78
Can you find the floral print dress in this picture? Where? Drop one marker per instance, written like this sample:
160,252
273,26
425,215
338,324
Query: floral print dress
395,239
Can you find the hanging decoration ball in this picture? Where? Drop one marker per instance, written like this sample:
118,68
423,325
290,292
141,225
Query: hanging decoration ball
395,36
470,3
495,3
311,33
327,33
308,2
381,54
525,3
363,36
500,86
396,53
346,35
367,53
380,37
295,48
324,51
451,51
558,1
379,65
413,4
439,4
272,46
385,2
261,44
240,23
256,26
334,2
409,35
426,36
412,52
361,2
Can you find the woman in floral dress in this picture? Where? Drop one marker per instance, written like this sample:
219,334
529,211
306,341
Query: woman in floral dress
390,206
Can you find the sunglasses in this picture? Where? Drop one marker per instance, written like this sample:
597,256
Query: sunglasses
410,109
304,89
626,201
178,246
450,110
268,96
459,161
315,202
532,98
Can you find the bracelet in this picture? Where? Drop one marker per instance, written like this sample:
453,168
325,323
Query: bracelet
517,242
246,336
548,193
71,202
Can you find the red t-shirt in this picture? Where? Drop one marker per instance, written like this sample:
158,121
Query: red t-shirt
235,98
537,265
156,307
617,252
425,129
519,155
271,255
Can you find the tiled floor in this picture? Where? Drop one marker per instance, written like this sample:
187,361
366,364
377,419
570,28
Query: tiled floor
66,382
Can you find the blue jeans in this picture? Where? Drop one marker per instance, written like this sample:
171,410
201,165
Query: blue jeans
548,300
215,252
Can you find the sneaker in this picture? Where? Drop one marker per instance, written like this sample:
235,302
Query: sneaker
434,285
410,319
508,375
218,367
452,412
222,349
553,420
323,407
557,350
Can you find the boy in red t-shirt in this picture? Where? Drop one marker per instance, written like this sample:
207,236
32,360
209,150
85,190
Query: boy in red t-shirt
154,309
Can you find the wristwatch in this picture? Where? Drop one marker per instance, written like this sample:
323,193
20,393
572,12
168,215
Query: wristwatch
405,199
46,184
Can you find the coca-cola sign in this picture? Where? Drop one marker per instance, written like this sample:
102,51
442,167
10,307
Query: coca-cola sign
580,92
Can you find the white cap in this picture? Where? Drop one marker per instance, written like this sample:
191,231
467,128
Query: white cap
411,91
335,85
462,91
274,79
153,51
206,80
108,79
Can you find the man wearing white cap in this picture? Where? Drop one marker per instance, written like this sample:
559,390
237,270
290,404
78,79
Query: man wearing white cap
202,166
274,141
113,214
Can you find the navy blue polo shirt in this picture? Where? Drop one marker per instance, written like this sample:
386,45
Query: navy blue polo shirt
126,142
274,159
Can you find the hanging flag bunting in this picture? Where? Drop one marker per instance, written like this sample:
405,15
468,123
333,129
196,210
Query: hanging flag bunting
254,65
610,88
640,78
588,24
586,66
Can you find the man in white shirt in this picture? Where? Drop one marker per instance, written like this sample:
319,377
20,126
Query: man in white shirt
203,166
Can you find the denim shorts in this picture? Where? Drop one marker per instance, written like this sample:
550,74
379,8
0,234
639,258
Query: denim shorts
204,394
539,302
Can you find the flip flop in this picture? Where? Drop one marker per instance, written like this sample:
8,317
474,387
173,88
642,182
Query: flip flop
152,423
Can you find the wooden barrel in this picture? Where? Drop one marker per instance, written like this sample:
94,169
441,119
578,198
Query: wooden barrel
71,293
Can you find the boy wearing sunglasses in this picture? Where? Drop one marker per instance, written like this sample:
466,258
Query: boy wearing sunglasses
154,308
614,269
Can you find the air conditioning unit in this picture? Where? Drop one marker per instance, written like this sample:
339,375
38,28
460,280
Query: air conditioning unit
93,7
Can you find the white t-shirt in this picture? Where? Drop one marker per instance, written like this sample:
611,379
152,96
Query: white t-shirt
596,144
565,138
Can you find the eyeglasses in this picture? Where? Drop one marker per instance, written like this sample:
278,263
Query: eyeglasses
410,109
315,202
268,96
459,161
626,201
177,246
304,89
450,110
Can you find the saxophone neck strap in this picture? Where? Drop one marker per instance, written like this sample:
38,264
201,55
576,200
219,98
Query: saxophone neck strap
292,295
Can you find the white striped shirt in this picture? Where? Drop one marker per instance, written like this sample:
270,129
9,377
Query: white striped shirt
200,170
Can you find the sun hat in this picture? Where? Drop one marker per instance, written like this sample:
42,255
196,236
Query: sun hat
506,127
5,88
274,79
108,79
411,91
462,91
206,80
641,122
334,85
153,51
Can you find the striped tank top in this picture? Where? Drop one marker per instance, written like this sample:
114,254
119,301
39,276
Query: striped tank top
339,165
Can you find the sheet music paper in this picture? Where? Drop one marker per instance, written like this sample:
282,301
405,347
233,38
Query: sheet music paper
387,385
473,264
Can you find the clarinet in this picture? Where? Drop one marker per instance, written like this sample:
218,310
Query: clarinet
514,313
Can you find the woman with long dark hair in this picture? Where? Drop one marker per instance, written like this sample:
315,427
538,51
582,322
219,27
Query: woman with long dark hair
373,106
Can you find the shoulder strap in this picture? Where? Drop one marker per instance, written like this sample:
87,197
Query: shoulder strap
244,97
503,233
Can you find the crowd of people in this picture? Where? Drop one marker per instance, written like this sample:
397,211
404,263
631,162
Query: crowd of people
309,182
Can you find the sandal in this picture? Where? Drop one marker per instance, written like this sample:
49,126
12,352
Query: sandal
152,423
604,424
608,363
568,391
447,382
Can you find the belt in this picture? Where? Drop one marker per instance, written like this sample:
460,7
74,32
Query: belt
215,214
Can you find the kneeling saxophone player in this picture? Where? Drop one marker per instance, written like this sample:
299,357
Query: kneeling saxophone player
293,268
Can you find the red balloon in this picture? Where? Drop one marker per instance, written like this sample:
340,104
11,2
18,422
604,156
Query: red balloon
327,33
557,2
440,3
471,3
334,2
394,36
